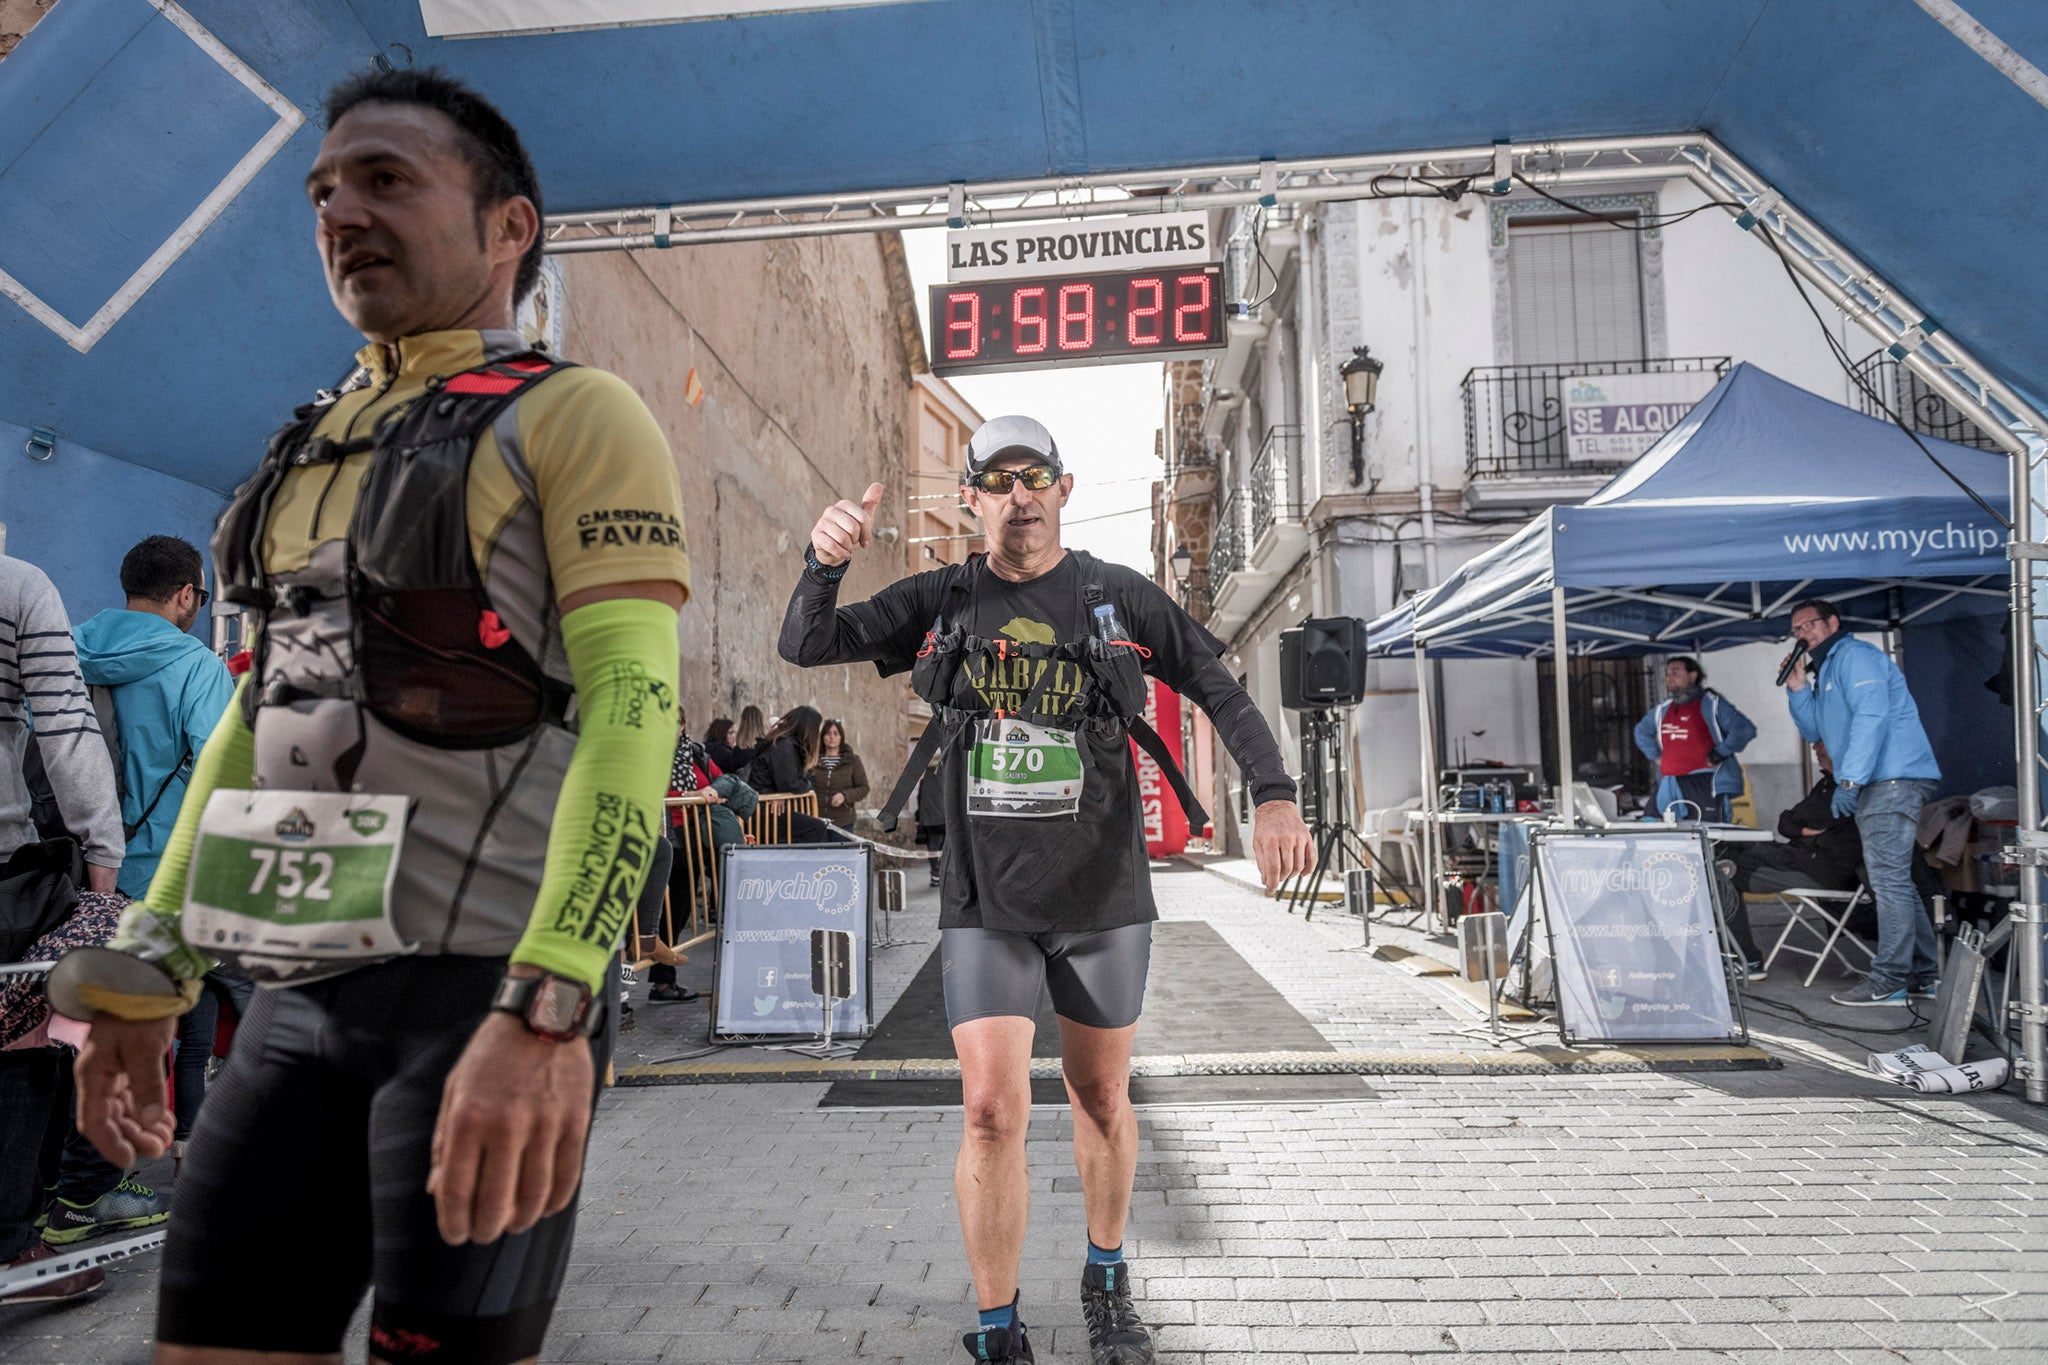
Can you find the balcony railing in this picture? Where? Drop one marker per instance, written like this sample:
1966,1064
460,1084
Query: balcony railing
1192,452
1194,594
1274,471
1514,414
1227,546
1917,405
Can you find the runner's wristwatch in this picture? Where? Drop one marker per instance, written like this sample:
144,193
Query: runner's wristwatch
551,1007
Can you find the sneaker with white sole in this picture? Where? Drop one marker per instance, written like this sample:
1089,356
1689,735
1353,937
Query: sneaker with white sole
126,1207
1870,993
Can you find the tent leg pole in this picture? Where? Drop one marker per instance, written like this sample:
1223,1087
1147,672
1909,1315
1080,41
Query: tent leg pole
1566,806
1426,845
2028,912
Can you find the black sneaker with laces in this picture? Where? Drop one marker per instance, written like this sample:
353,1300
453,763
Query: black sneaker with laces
1116,1335
1001,1345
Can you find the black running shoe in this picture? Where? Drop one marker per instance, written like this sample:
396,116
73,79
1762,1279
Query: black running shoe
1002,1345
1116,1335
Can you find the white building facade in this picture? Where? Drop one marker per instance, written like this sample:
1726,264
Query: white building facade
1479,309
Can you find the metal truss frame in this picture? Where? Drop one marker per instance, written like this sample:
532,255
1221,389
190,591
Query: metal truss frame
1907,333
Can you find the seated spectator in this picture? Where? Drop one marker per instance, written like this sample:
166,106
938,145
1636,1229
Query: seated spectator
786,765
752,732
841,778
691,771
1820,850
729,756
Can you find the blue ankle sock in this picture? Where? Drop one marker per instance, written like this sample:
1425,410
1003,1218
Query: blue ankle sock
1097,1256
998,1317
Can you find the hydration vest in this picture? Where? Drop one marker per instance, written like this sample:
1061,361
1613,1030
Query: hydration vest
1113,698
383,665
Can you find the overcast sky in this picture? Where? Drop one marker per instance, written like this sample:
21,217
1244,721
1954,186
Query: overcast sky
1103,417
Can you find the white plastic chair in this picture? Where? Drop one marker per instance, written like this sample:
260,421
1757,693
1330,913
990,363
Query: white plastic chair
1392,827
1831,910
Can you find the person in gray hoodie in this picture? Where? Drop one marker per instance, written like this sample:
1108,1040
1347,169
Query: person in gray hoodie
168,689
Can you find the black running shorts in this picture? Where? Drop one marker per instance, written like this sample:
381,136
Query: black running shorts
305,1182
1096,977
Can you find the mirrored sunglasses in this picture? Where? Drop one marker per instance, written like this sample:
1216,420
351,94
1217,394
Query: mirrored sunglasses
1037,478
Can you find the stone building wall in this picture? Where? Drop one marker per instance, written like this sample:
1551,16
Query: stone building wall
805,400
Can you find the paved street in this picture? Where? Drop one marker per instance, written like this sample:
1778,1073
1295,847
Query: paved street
1806,1213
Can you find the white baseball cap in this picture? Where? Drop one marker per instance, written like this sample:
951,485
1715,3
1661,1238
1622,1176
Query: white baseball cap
1000,436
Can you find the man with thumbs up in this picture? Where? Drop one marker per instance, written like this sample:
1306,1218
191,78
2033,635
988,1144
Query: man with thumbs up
1032,657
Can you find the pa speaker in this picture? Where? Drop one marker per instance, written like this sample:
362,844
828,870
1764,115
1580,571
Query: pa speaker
1322,663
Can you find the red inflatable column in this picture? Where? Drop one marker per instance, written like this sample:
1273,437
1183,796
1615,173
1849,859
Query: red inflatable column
1166,824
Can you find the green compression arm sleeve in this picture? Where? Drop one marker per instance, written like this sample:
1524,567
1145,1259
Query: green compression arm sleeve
623,655
149,927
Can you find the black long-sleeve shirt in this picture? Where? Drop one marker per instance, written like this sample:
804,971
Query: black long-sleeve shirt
1839,846
1033,875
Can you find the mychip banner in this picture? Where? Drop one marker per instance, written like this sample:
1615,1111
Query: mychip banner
774,895
1633,935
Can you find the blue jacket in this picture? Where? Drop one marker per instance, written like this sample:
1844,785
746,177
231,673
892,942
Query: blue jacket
1860,707
1730,728
169,690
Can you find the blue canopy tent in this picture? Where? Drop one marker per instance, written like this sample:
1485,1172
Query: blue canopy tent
1763,495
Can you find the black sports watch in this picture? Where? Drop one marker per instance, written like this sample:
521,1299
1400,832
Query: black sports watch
824,573
551,1007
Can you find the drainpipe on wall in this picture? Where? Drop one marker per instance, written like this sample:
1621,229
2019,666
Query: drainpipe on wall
1418,366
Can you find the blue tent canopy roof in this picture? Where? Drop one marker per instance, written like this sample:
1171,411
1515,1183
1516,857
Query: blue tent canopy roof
1764,494
235,327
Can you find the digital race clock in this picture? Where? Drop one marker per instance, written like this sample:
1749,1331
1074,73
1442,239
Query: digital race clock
1075,319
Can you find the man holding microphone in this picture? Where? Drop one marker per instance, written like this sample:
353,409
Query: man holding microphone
1859,705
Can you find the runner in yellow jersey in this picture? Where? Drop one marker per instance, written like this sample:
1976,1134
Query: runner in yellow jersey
423,825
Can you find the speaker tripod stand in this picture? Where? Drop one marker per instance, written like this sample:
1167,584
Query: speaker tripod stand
1326,803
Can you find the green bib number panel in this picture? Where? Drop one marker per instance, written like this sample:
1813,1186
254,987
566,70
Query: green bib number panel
292,883
1022,770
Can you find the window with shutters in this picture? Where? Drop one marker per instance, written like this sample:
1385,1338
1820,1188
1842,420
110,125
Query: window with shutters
1575,292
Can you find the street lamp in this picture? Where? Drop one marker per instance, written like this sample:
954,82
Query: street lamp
1180,560
1361,386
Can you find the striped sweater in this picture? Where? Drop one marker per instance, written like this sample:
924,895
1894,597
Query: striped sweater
39,679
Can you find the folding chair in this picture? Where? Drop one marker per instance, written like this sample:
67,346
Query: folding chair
1814,910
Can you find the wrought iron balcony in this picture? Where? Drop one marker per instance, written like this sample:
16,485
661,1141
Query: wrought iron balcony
1901,388
1227,545
1275,471
1514,414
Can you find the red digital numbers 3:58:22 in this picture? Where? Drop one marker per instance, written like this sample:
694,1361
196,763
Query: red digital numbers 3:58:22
1022,324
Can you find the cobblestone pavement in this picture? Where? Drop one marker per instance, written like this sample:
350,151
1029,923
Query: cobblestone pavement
1805,1214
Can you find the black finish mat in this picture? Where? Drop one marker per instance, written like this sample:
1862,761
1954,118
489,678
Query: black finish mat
1201,997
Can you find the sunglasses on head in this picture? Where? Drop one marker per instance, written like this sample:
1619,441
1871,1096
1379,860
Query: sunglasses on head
1037,478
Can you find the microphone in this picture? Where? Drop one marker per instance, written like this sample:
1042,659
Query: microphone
1791,661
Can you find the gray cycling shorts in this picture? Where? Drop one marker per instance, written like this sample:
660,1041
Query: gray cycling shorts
1096,977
